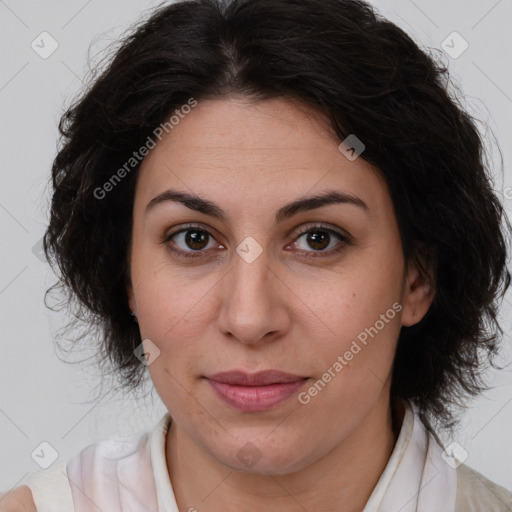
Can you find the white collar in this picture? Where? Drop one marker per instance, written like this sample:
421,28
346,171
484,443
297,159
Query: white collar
415,479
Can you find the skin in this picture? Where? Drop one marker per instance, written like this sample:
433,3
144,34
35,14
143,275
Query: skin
282,311
17,500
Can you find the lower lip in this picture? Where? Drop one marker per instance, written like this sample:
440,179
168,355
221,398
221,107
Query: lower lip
255,398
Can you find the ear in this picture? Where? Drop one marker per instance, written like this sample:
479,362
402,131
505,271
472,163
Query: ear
418,295
131,299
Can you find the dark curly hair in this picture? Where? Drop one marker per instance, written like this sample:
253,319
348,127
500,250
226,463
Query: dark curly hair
367,77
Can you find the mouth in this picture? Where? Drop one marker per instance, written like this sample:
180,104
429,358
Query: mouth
252,392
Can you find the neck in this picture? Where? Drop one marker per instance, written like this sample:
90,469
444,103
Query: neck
346,475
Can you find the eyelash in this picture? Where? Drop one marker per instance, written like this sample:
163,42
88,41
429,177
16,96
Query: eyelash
309,254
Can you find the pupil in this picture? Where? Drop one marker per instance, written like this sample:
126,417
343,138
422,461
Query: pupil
317,240
193,238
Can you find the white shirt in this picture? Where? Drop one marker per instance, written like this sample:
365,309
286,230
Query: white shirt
130,475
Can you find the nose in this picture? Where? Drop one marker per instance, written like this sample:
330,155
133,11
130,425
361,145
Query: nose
253,304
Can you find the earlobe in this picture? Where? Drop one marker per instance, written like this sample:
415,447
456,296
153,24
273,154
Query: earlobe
418,297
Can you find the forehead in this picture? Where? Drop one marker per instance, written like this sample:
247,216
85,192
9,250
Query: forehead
274,147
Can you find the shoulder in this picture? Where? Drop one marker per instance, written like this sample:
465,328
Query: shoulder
18,500
98,464
475,492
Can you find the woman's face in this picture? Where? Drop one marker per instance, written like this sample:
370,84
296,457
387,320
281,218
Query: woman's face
236,278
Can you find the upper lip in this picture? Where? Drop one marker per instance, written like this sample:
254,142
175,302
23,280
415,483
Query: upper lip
262,378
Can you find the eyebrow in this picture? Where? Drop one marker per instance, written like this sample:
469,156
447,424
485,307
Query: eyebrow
199,204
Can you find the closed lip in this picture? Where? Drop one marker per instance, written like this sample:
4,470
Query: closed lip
261,378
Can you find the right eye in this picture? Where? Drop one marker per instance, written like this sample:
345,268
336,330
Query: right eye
190,242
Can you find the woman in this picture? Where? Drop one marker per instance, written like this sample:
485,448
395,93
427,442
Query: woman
277,209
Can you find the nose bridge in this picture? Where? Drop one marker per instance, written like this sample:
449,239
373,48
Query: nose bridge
249,305
249,283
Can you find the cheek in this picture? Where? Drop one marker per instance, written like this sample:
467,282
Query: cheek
167,296
355,365
171,316
175,308
353,297
359,309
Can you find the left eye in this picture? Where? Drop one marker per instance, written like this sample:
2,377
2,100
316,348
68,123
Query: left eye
319,239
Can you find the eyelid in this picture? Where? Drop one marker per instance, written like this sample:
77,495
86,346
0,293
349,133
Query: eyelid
187,227
314,225
344,238
320,226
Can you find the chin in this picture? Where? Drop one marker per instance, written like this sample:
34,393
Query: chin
263,457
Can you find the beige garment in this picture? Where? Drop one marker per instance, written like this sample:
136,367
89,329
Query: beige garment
475,493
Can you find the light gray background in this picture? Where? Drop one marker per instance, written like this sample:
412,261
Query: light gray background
45,399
